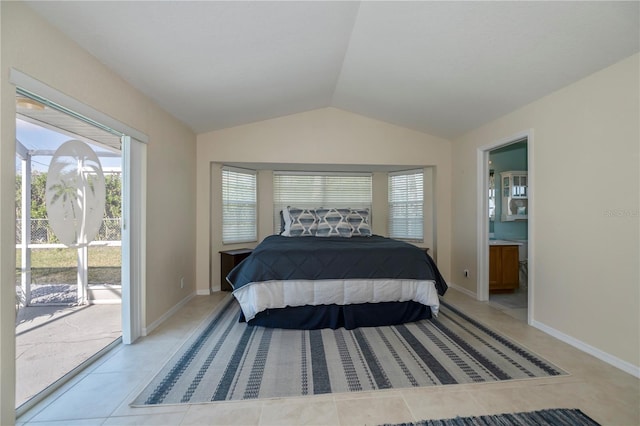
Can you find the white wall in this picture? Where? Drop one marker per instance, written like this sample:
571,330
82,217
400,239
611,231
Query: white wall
587,209
325,136
32,46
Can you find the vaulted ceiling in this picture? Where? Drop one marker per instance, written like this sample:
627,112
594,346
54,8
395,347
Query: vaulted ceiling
443,68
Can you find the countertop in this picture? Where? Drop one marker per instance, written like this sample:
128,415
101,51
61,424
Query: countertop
504,243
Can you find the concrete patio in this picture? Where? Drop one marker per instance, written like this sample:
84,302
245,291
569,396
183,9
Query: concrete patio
53,340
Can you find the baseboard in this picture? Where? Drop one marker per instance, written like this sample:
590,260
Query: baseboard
463,290
625,366
206,292
147,330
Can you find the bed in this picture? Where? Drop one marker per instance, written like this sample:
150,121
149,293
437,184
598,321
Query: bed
333,282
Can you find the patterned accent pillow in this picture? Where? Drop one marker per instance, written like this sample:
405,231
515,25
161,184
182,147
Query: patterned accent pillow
359,221
299,222
333,223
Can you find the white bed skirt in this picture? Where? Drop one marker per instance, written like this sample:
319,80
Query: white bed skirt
258,296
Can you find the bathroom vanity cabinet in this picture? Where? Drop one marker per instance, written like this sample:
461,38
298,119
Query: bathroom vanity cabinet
503,267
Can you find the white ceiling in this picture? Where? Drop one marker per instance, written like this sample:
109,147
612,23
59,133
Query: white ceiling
443,68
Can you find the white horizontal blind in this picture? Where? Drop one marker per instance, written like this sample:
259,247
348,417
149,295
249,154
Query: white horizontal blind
238,206
406,205
316,189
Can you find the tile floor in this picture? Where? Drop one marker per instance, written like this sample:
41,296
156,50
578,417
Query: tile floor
513,304
101,394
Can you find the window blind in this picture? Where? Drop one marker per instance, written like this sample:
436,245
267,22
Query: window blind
315,189
239,209
406,205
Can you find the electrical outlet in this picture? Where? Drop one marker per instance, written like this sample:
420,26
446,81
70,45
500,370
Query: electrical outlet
181,282
466,273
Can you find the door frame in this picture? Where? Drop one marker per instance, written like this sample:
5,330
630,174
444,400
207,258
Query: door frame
134,200
482,225
134,207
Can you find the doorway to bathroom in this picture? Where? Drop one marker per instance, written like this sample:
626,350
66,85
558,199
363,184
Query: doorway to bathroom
508,228
504,223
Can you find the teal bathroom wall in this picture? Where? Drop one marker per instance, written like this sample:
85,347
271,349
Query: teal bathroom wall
510,157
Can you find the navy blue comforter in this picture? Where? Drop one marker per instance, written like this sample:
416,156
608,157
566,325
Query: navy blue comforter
315,258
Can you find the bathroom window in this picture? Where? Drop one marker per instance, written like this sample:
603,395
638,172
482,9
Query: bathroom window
492,196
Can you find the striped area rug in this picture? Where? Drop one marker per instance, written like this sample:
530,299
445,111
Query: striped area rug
551,417
228,360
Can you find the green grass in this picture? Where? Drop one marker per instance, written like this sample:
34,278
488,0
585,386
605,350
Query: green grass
59,265
63,257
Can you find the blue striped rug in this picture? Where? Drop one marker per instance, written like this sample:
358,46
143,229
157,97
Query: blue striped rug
228,360
551,417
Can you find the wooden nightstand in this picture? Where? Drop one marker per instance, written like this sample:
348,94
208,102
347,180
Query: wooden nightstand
228,260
